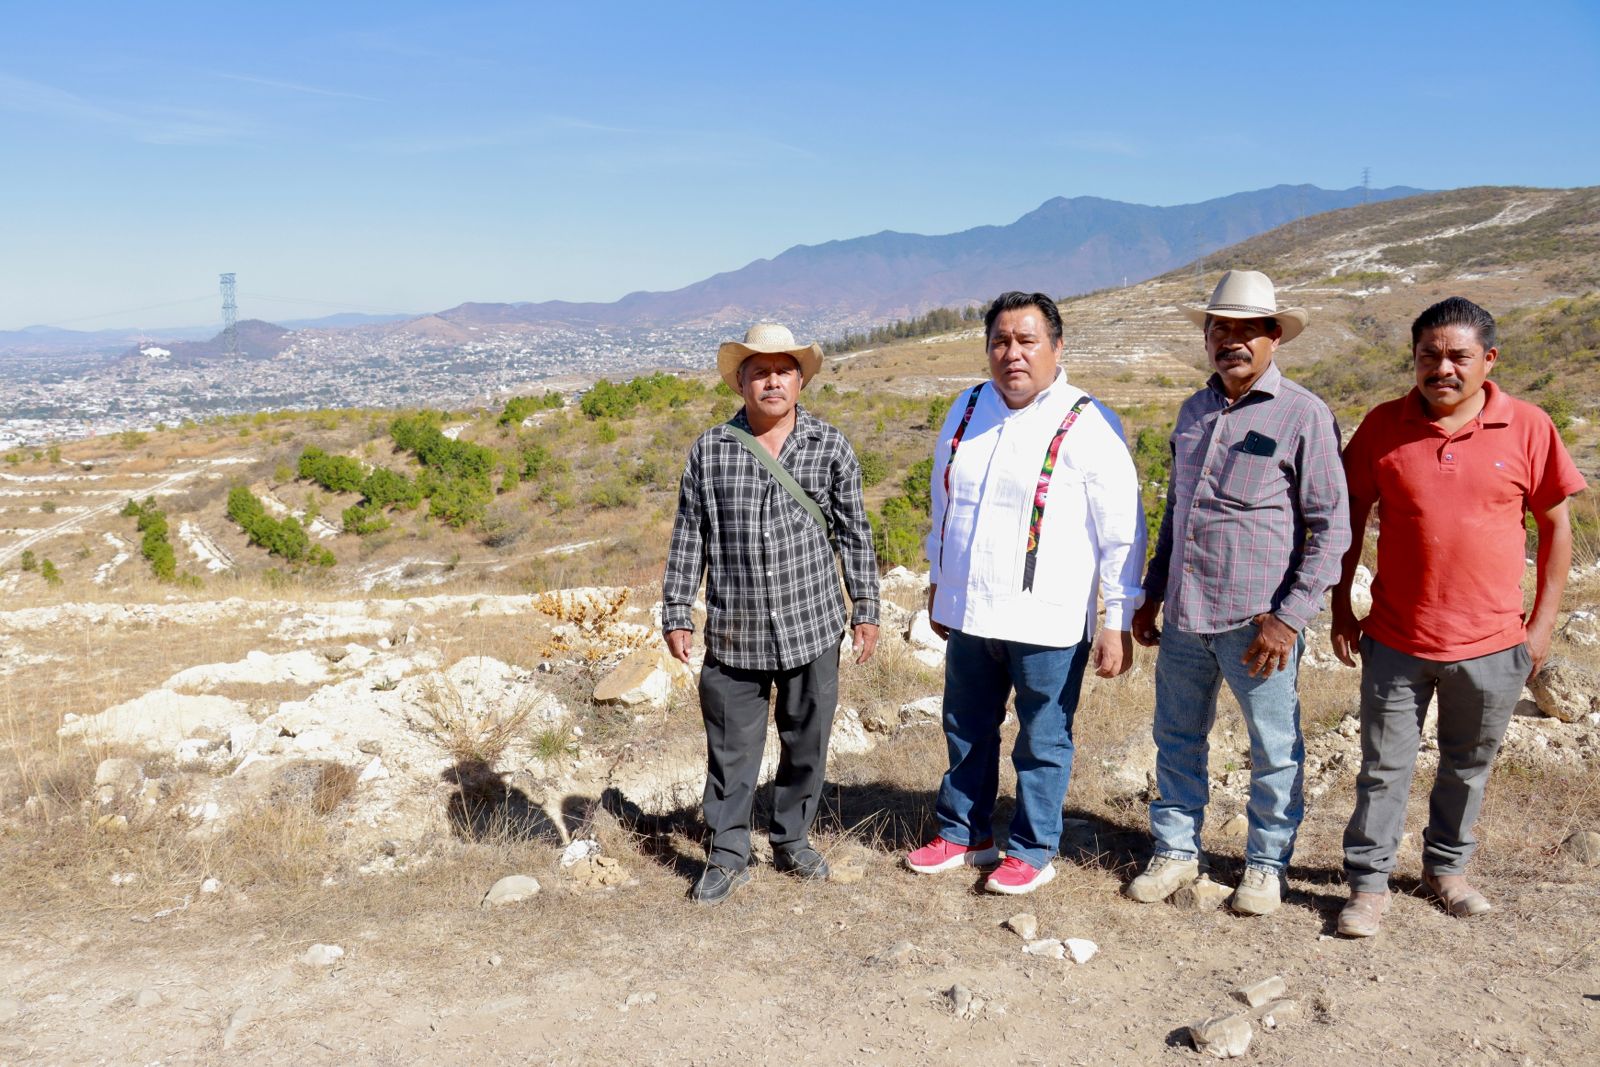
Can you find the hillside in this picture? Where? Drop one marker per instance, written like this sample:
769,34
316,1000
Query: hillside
1064,246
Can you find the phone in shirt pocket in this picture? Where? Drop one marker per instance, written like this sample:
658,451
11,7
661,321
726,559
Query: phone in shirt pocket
1253,473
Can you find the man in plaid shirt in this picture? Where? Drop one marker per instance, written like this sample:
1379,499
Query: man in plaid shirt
1255,524
774,611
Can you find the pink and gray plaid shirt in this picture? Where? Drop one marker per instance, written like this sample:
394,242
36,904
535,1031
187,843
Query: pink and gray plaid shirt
1257,517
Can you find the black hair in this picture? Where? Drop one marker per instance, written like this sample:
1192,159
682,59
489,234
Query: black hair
1016,301
1456,311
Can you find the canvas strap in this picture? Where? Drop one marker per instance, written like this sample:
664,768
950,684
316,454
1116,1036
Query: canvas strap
955,443
781,476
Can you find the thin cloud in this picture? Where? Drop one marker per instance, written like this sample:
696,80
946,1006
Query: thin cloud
296,87
150,124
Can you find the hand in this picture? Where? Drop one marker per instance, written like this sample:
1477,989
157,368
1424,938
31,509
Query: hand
864,639
1144,623
1346,634
1538,643
1270,650
1113,652
678,644
938,627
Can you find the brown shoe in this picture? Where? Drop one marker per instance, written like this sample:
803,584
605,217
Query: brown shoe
1362,913
1457,896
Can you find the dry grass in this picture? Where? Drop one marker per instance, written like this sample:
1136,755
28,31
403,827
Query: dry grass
467,730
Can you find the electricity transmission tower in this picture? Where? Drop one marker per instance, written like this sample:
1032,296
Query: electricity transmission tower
230,319
1366,183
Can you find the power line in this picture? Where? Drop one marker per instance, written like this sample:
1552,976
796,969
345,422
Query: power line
131,311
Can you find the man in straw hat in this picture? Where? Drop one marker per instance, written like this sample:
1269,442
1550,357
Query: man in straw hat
1454,466
1254,528
765,499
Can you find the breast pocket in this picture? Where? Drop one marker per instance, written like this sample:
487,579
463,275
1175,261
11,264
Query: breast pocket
1251,481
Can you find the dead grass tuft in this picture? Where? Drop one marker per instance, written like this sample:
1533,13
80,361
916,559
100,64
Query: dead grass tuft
468,733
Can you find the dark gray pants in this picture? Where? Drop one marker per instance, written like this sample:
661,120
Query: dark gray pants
1476,697
734,704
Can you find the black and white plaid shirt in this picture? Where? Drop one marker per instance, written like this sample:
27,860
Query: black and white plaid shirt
772,587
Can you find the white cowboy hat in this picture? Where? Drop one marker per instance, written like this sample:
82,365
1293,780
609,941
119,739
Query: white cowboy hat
1248,294
767,338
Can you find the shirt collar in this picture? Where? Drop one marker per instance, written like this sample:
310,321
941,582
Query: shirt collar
805,423
1497,407
1268,384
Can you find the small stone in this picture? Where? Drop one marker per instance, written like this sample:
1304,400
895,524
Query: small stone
896,954
637,1000
1564,690
1048,947
846,873
923,710
370,747
1584,847
122,878
1081,949
1025,925
210,885
321,955
117,779
641,678
1268,989
879,720
963,1004
1276,1013
146,998
495,960
512,889
1238,826
1224,1037
1202,894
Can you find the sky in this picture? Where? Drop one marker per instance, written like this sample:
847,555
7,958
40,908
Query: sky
407,157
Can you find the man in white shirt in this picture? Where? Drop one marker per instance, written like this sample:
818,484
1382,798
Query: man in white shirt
1036,512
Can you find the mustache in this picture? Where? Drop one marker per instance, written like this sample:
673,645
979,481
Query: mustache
1449,381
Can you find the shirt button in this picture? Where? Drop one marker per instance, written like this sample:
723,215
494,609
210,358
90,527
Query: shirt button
1449,455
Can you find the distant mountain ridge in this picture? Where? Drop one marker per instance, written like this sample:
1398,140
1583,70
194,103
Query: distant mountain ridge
1064,247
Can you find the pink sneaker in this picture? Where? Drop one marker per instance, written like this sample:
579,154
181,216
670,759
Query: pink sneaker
941,855
1015,877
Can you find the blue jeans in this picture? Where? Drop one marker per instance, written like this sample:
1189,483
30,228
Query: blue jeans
979,673
1190,670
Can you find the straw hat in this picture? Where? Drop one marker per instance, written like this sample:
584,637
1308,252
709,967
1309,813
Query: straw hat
1248,294
767,338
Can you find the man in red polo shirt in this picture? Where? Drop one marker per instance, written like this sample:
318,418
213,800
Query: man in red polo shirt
1452,467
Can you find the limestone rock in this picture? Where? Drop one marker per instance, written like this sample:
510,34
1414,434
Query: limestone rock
880,720
921,634
1238,826
1201,895
924,710
146,998
512,889
1081,949
1276,1013
928,657
1025,925
1564,690
116,779
1224,1037
161,719
322,955
901,580
897,954
1268,989
641,678
598,872
963,1003
849,736
1048,947
1583,846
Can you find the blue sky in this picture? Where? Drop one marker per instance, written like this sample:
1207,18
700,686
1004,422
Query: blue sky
408,157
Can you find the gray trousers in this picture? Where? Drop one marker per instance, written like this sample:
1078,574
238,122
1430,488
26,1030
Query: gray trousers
1476,697
734,703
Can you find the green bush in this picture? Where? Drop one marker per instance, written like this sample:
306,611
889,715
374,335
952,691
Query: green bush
874,467
27,561
337,474
898,533
519,408
154,546
657,391
281,537
47,571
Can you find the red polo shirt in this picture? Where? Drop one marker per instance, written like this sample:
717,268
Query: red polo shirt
1450,510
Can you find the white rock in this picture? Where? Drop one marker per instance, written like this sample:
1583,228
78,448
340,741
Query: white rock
211,885
1268,989
302,667
146,998
928,657
1025,925
322,955
122,878
160,719
512,889
1081,949
1224,1037
921,634
374,771
1048,947
849,737
579,850
926,708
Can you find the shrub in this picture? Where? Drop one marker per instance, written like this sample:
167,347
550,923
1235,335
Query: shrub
154,546
337,474
519,408
47,571
27,561
874,467
897,535
281,537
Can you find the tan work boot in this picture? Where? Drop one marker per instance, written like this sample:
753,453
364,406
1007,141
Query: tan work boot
1457,896
1258,892
1162,877
1362,913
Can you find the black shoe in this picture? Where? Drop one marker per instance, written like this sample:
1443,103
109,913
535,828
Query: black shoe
803,862
716,883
